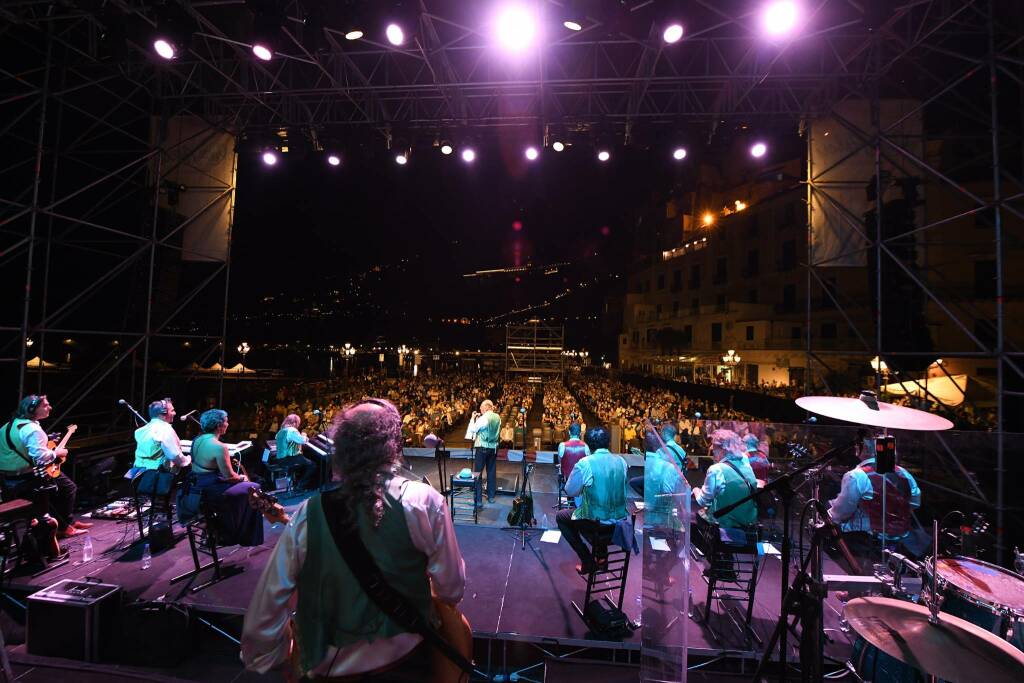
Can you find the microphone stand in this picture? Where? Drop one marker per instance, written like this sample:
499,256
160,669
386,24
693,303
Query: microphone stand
128,405
783,485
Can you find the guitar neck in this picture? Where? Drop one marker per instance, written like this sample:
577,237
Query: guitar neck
67,437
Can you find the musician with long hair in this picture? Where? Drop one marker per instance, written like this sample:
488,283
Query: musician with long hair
24,446
404,524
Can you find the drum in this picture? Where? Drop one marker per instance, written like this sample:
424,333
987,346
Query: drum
982,593
872,664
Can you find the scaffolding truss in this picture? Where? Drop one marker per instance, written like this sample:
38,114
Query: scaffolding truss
534,350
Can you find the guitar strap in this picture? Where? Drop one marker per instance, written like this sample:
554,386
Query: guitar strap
10,444
376,587
752,489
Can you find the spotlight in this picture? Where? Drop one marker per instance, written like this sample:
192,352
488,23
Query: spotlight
532,153
515,28
758,150
558,146
334,160
468,155
708,219
395,34
402,159
780,17
270,157
165,48
262,51
447,149
603,155
673,33
354,34
572,25
679,153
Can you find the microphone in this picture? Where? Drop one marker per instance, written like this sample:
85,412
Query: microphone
122,402
811,420
187,415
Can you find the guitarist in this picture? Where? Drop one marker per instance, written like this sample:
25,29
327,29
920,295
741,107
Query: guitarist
25,446
401,526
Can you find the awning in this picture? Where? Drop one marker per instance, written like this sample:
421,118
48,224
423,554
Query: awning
948,390
37,362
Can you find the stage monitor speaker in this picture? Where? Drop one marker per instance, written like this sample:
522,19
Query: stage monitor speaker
73,619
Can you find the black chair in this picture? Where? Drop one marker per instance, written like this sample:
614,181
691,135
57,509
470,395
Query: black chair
158,488
202,531
611,568
565,501
733,563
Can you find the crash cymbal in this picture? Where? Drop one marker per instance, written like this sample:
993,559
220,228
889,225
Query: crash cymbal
952,650
868,411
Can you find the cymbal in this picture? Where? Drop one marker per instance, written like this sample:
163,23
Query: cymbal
952,650
887,415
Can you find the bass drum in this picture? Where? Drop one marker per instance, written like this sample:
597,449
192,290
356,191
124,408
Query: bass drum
984,594
872,664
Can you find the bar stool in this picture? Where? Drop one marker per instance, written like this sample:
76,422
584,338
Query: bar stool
731,573
462,496
610,570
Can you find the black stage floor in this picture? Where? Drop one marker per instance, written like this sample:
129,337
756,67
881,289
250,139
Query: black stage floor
512,593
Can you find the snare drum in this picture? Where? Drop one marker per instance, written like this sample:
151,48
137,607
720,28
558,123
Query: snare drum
982,593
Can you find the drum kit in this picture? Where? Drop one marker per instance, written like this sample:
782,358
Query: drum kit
979,633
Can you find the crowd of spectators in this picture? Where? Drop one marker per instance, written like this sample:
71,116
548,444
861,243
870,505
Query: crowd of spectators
560,408
427,403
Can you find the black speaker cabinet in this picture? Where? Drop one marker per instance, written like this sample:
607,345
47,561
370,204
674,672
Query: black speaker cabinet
72,619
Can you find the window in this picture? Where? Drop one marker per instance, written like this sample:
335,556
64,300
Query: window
984,279
794,333
753,263
721,271
688,333
694,277
789,298
661,281
636,337
695,306
720,304
788,255
828,293
750,333
788,215
675,309
657,312
752,296
752,225
828,331
677,280
716,333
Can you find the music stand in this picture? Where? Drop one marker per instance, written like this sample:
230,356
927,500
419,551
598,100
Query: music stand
441,456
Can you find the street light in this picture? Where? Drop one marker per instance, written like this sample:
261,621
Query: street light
348,352
731,358
243,349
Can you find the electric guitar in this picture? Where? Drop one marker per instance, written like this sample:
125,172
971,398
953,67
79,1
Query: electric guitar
52,470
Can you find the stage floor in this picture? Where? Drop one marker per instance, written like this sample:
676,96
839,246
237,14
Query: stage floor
511,593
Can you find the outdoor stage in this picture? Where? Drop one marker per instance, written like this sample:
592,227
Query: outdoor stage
517,600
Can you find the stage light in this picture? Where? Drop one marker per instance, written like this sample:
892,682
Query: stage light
515,28
673,33
679,153
354,34
395,34
532,153
334,160
758,150
270,157
165,48
780,18
558,146
603,155
262,51
401,159
708,219
447,149
572,25
468,155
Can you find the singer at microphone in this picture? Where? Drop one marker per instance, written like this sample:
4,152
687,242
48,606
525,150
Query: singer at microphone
156,444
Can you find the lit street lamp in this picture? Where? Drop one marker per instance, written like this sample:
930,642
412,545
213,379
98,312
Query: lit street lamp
348,352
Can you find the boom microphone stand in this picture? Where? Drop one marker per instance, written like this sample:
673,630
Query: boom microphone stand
783,486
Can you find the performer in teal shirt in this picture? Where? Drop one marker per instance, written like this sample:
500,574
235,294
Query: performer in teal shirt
484,428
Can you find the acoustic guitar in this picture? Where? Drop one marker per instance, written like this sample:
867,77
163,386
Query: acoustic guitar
52,470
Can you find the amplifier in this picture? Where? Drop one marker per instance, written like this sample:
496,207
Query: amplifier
72,619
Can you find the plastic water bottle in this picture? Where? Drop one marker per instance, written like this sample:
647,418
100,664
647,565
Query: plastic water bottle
87,549
545,523
147,557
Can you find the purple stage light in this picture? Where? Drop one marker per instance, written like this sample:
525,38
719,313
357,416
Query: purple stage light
758,150
164,48
531,153
269,158
262,52
673,33
395,34
334,160
780,17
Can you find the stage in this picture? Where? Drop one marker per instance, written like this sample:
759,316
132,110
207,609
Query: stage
517,600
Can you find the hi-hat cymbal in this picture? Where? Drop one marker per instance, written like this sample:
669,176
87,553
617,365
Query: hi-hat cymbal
952,650
861,412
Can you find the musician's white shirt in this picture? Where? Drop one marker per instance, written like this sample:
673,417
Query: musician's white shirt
265,630
35,440
157,432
